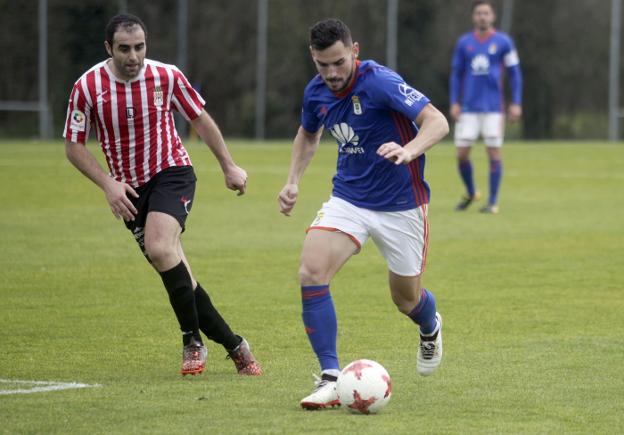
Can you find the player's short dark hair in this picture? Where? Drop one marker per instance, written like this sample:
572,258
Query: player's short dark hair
477,3
327,32
124,21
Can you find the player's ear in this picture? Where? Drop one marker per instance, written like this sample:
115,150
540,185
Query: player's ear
355,50
108,48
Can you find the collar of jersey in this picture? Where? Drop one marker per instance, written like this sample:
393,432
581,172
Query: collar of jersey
117,79
348,89
486,37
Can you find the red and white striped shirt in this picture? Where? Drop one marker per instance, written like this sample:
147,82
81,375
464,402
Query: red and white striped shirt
133,119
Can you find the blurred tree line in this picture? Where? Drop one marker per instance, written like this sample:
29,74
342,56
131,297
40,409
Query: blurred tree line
563,47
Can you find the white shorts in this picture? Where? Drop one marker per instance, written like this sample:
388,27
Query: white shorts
491,126
402,237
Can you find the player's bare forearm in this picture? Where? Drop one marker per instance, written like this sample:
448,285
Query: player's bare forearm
114,191
85,162
433,127
209,132
304,148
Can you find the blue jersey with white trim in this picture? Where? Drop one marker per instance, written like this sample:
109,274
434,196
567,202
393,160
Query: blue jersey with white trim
477,72
376,108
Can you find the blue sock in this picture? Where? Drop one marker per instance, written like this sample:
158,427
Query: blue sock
496,173
465,170
319,319
424,314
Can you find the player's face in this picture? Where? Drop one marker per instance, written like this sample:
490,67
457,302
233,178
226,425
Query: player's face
336,64
127,52
483,17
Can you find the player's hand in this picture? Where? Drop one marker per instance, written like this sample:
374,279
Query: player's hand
395,153
287,198
514,112
117,197
236,179
455,111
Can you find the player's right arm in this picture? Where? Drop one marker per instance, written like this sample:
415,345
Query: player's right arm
115,191
304,147
76,133
455,80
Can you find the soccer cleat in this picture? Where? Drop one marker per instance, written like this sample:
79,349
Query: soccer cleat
193,359
244,360
430,351
489,209
466,201
323,396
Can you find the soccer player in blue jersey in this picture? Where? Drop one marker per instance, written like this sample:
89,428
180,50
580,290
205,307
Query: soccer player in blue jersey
382,126
477,100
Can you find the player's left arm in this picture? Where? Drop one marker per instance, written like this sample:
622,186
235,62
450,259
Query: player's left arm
512,64
432,127
208,131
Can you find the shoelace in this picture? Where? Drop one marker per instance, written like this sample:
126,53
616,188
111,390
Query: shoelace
427,349
318,382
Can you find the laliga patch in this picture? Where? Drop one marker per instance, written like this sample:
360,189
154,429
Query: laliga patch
357,106
78,120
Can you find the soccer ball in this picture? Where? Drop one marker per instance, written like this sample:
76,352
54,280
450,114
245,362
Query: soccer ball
364,387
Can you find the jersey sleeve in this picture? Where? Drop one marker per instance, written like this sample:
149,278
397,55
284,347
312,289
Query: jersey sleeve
185,99
78,118
457,73
390,90
512,64
309,121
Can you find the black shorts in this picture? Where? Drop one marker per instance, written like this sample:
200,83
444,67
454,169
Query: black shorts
171,191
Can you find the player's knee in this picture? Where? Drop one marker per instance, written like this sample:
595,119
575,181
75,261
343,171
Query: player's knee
159,253
310,274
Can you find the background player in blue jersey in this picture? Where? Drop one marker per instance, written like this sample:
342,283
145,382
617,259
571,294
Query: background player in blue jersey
379,192
477,100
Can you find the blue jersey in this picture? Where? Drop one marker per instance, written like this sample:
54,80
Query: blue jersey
377,107
477,72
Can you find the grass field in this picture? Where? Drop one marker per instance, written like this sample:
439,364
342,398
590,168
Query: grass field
532,299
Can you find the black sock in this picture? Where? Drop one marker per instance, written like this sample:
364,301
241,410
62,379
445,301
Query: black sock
211,323
180,288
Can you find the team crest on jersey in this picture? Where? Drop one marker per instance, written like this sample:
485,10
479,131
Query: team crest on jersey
492,48
357,106
158,96
78,120
412,96
130,112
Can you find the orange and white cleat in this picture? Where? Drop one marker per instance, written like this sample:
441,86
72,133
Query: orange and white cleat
245,362
193,359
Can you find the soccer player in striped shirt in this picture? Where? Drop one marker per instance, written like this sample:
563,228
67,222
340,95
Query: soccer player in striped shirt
383,127
477,103
128,100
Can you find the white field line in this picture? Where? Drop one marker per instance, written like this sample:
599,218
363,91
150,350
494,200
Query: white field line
42,386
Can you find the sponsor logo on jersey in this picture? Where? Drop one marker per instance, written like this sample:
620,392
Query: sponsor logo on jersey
357,106
480,64
492,48
78,120
130,112
347,139
158,96
412,96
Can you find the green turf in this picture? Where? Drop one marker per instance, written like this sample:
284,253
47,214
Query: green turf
532,302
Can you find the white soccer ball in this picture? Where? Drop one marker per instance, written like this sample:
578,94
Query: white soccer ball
364,387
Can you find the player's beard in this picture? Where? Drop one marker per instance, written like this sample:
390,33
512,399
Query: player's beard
345,83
